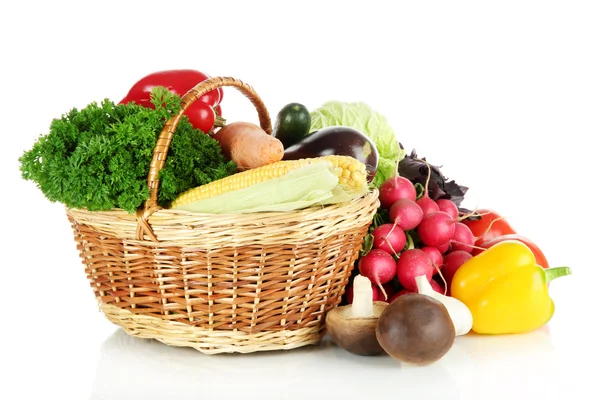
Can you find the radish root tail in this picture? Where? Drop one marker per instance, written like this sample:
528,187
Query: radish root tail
388,241
475,212
468,245
443,279
380,286
489,227
426,193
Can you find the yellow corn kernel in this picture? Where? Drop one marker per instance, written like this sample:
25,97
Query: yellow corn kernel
349,171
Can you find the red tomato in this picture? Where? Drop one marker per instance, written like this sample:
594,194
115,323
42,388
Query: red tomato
491,225
201,115
540,258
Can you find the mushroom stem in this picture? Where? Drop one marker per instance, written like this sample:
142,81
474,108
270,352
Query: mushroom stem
362,302
459,312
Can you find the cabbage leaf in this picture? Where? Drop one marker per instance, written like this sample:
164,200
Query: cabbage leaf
361,116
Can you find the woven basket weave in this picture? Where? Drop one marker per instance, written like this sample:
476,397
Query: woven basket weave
220,283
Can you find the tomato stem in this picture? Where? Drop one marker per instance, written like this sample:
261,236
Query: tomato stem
219,121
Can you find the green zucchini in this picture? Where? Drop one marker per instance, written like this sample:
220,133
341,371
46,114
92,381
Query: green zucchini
292,124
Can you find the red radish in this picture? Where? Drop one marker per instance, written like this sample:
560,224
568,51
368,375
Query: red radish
378,266
400,293
411,264
406,214
436,229
377,294
395,188
436,256
449,207
463,238
444,247
428,205
436,286
452,262
389,238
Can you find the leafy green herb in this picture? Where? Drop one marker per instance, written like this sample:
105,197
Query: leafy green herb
98,157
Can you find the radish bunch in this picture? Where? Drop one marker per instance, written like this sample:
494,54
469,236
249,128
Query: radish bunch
413,235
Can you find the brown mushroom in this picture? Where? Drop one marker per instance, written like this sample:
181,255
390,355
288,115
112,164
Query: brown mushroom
352,327
415,328
355,334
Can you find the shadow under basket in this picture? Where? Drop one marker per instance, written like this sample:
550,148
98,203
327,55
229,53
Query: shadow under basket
221,283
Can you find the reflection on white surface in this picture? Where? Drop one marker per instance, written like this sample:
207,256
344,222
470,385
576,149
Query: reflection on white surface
138,368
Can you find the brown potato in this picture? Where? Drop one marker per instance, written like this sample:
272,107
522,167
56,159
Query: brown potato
248,145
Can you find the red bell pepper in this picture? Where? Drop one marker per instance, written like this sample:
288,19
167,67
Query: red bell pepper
540,258
179,81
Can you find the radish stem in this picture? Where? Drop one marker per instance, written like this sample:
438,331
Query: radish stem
410,243
426,191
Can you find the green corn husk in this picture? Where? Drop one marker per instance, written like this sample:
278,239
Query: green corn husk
311,185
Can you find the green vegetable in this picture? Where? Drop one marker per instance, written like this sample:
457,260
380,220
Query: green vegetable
98,157
310,185
292,124
360,116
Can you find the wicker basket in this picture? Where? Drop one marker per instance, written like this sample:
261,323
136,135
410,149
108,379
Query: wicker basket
220,283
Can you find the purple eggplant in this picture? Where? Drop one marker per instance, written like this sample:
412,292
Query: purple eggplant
337,140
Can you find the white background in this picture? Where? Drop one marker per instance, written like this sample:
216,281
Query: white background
505,95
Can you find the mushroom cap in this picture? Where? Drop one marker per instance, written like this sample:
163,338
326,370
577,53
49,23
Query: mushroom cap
416,329
356,335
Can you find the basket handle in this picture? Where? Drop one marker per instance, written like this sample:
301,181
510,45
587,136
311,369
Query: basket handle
166,135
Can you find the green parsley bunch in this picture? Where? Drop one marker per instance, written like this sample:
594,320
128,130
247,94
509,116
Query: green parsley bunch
98,158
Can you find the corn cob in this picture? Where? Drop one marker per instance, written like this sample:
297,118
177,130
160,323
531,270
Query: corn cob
349,171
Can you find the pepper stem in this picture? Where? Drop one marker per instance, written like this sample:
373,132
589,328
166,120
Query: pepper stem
556,272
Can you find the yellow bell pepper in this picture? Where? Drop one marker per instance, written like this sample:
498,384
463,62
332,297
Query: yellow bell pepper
506,291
